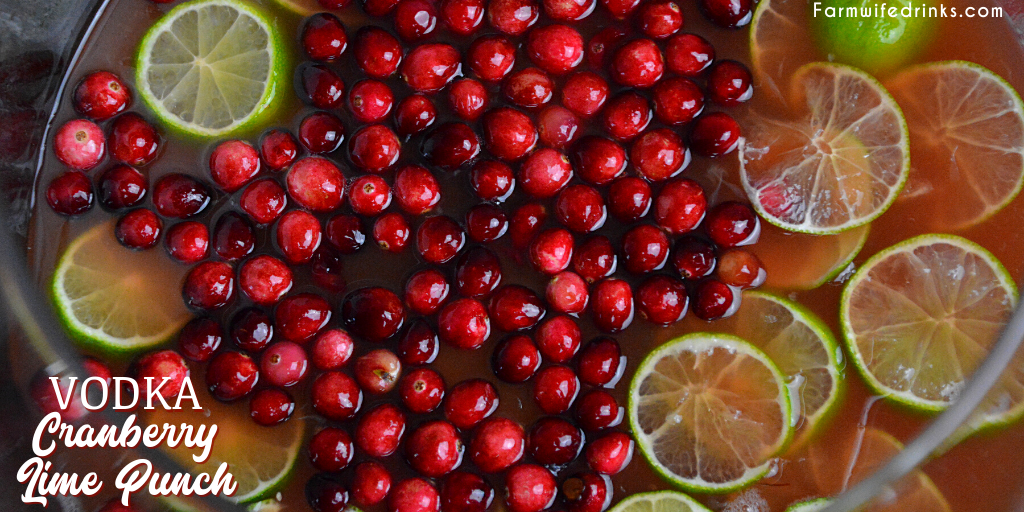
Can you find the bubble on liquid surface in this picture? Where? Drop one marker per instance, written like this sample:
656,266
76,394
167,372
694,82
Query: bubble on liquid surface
748,501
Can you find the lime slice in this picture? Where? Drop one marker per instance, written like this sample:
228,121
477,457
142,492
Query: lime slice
709,411
259,458
809,505
836,166
920,316
802,347
966,140
775,59
211,67
115,300
301,7
659,501
823,257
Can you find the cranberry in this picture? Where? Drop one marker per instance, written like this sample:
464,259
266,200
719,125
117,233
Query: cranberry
660,19
279,149
371,483
321,86
298,236
610,453
200,338
662,300
680,206
595,259
526,222
529,88
491,57
508,133
551,251
554,441
464,324
300,317
419,344
598,410
598,160
179,196
629,199
284,363
101,95
263,201
688,54
377,52
233,237
330,449
251,330
370,101
470,402
166,369
323,37
373,313
557,126
515,359
477,273
568,10
414,19
512,17
601,362
659,155
233,164
325,495
345,233
529,488
604,43
492,180
380,430
414,495
612,305
497,444
486,223
544,173
421,390
416,190
439,239
588,492
326,270
374,148
466,492
621,9
133,140
138,229
556,49
270,406
425,291
733,224
429,67
714,299
567,293
231,375
391,232
79,144
451,145
434,449
555,388
336,396
729,82
332,349
188,242
727,13
321,132
377,371
581,208
741,268
645,248
627,116
369,195
584,93
715,135
468,98
462,17
516,308
677,100
120,186
638,63
71,193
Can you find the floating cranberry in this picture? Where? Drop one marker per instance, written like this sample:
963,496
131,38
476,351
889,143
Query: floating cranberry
138,229
627,115
321,132
391,231
584,93
604,43
610,454
659,155
377,52
680,206
371,483
741,268
497,444
321,86
612,304
451,145
588,492
598,160
416,190
581,208
714,299
188,242
439,239
327,270
544,173
491,57
557,126
380,430
554,441
526,222
233,237
419,344
270,406
555,388
377,371
284,363
331,349
298,236
638,63
468,98
516,308
629,199
694,258
200,338
601,362
529,488
326,495
421,390
434,449
486,223
79,144
425,291
568,10
373,313
508,133
556,49
101,95
551,251
345,233
233,164
179,196
621,9
512,17
120,186
598,410
370,101
429,67
729,82
369,195
133,140
727,13
715,134
477,273
464,324
733,224
466,492
279,149
264,201
595,259
414,19
166,369
645,248
516,359
374,148
529,88
323,37
71,193
567,293
470,402
660,19
331,449
414,495
231,375
662,300
462,17
677,100
336,396
300,317
688,54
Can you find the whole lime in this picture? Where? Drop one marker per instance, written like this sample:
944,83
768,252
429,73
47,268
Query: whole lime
874,35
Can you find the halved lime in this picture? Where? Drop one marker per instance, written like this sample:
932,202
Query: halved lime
259,458
823,257
659,501
920,316
709,411
838,164
115,300
809,505
802,347
966,140
211,67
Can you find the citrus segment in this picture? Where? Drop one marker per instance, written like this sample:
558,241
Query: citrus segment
920,316
966,140
659,501
210,67
709,411
822,258
113,299
836,166
809,505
